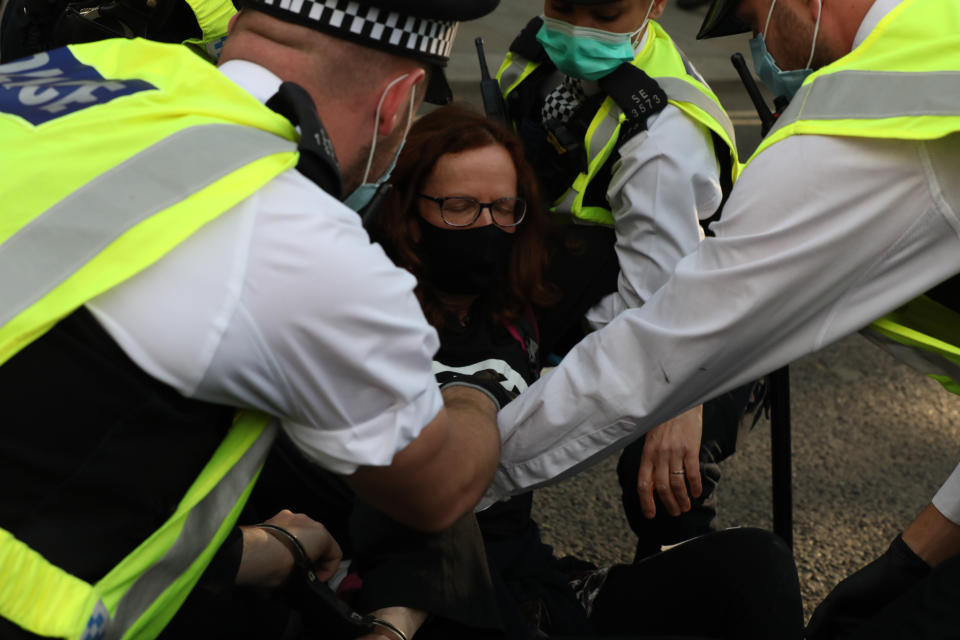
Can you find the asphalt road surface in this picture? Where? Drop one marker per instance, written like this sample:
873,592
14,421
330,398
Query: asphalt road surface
872,439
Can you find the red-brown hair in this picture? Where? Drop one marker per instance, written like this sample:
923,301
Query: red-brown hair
453,129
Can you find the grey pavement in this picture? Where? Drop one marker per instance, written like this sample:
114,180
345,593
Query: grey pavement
872,439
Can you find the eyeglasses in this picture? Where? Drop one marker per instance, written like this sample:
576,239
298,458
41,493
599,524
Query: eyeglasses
459,211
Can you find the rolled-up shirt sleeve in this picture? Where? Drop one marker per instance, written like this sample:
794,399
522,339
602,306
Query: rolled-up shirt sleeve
283,305
947,499
339,330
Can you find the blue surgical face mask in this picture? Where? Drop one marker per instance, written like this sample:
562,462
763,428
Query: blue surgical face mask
780,83
362,195
586,53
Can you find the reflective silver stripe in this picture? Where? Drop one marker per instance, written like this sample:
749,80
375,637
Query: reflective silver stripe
601,137
604,131
198,531
512,73
58,242
926,362
868,95
566,205
688,66
681,90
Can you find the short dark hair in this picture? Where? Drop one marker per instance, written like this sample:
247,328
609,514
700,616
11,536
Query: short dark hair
453,129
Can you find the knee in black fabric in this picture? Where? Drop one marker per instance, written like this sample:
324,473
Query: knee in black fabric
928,611
763,546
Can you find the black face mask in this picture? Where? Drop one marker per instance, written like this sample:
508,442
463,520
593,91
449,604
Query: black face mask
464,261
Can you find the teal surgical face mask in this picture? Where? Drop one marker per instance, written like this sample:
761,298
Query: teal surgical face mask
586,53
780,83
362,195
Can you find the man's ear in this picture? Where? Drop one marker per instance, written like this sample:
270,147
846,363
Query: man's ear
395,107
658,7
233,21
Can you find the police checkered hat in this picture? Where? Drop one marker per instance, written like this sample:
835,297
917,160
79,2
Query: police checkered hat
721,20
419,29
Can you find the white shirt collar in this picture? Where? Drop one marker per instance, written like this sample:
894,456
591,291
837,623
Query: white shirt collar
261,83
877,12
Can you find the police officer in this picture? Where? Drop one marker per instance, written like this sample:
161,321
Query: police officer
846,212
174,249
30,26
623,130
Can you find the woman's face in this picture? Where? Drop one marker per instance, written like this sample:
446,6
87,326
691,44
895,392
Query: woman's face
618,16
485,174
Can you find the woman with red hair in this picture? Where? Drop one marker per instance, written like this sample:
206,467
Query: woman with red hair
465,218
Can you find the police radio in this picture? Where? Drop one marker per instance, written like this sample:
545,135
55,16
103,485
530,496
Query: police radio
493,103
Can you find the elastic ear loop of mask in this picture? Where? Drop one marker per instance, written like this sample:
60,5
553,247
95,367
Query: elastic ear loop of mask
637,35
376,125
816,28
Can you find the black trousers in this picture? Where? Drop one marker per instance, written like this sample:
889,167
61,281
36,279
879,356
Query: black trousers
721,423
928,611
736,583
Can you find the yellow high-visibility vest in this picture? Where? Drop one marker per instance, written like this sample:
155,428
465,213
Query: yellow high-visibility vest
114,152
663,62
901,83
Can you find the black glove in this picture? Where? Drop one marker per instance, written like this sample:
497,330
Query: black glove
487,381
862,595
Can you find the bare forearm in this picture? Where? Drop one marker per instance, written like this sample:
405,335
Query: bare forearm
473,446
264,561
444,472
933,537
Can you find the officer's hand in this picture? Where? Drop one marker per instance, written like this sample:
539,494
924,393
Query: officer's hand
487,382
670,462
267,561
862,595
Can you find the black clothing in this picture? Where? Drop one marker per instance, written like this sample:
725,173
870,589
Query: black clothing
760,598
928,611
442,573
96,453
743,583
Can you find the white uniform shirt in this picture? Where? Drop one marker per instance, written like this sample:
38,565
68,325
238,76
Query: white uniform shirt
821,236
947,500
282,304
665,181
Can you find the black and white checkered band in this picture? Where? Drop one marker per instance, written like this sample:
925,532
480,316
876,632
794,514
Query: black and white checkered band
422,38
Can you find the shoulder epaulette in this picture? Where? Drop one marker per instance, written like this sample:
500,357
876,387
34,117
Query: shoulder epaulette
318,161
526,43
636,93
